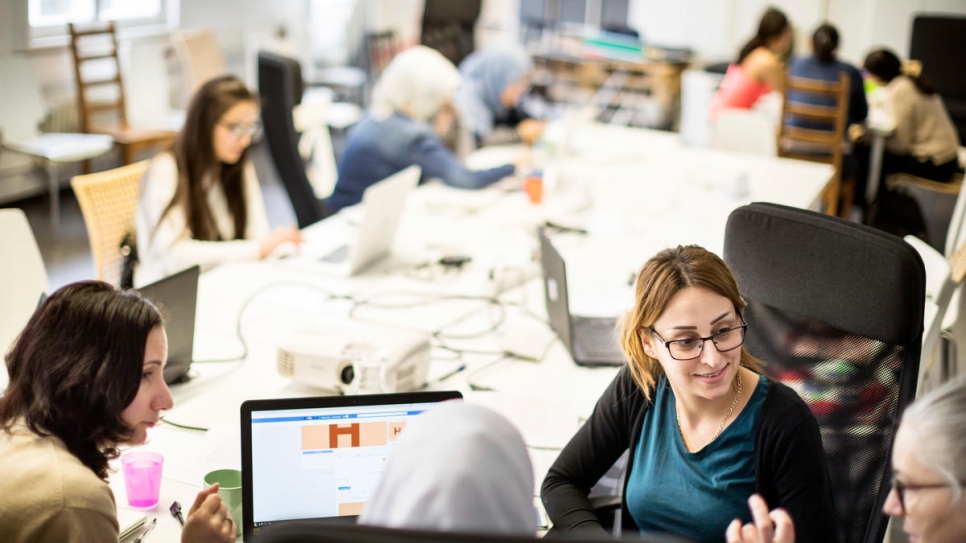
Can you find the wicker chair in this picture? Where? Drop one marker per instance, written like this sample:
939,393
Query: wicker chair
108,201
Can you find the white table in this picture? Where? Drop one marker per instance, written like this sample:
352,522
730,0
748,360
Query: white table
635,191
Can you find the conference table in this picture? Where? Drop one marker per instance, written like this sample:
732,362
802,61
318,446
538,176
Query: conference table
621,195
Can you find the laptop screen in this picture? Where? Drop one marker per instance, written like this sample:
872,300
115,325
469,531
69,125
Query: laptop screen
310,458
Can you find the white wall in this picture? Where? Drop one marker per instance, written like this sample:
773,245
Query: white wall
716,29
13,26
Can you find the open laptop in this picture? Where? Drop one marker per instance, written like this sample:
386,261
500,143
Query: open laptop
177,297
382,207
592,341
319,458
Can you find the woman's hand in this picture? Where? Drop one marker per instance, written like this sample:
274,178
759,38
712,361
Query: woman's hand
774,527
208,520
530,130
279,236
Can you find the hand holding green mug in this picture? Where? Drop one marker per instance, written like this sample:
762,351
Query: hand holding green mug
230,490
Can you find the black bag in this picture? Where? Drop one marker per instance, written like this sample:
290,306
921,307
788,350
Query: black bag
896,213
129,259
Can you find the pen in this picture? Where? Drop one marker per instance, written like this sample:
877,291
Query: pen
452,373
145,533
176,512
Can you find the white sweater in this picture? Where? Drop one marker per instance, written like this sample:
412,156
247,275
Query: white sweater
923,127
165,247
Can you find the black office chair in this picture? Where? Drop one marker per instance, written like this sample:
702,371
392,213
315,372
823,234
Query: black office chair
280,87
835,310
313,531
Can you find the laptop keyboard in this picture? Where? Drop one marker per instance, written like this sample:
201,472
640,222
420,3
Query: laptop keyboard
336,256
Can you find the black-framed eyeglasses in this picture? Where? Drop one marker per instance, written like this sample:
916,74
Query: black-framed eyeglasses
901,489
240,130
691,348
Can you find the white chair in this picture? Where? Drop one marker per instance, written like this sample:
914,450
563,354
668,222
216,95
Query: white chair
200,59
311,120
745,131
21,111
23,278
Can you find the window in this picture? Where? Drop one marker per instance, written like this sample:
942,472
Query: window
48,17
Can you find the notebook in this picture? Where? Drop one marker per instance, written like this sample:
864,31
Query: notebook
319,458
177,297
382,208
592,341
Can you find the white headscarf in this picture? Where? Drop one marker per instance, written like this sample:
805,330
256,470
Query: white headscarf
486,74
417,83
457,467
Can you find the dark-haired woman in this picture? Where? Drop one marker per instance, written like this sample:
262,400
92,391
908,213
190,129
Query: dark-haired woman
925,142
824,65
85,379
200,202
760,68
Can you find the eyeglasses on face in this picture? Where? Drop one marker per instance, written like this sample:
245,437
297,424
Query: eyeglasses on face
691,348
902,488
241,130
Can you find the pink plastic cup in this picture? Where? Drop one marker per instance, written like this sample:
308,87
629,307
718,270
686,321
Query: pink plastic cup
142,478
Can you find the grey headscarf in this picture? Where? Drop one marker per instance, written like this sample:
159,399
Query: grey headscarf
486,73
458,467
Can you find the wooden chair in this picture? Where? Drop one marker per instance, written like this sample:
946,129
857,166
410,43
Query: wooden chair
200,59
817,144
108,201
107,114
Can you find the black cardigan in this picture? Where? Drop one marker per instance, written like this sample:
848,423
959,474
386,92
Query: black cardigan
790,469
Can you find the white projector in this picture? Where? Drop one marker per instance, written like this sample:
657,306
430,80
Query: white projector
323,357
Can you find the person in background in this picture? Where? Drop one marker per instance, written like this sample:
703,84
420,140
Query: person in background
473,477
85,379
823,65
759,69
200,202
704,428
412,108
495,79
925,142
929,475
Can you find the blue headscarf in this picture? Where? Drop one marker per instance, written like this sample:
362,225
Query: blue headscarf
486,73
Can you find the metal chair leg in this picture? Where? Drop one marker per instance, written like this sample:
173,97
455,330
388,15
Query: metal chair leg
53,180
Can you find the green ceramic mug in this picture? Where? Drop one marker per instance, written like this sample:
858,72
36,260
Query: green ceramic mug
230,490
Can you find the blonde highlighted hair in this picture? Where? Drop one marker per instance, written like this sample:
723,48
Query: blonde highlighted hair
658,280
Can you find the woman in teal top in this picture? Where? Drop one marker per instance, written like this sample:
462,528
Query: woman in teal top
704,428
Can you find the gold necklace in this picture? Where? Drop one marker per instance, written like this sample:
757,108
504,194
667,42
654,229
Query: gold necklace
721,425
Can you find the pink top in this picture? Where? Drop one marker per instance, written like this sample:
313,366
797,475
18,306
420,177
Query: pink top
738,90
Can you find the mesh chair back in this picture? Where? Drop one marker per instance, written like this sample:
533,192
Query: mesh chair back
280,86
835,309
108,201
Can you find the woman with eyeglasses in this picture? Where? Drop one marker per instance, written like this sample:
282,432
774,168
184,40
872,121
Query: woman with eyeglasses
704,429
200,202
928,482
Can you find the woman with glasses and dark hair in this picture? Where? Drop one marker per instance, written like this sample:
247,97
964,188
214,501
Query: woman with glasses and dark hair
928,481
86,377
200,202
704,429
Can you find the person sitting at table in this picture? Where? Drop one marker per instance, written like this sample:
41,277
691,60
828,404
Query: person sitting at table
473,476
200,202
412,109
85,379
929,475
823,65
705,429
759,69
495,79
925,142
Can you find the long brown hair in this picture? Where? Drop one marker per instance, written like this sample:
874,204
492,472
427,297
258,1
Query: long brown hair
771,26
659,279
194,153
77,365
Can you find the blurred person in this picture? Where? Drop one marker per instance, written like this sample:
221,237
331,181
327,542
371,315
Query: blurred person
412,109
200,202
457,468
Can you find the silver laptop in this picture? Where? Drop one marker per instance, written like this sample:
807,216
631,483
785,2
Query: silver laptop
382,208
592,341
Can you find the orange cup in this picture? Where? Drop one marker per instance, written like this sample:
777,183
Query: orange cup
533,186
